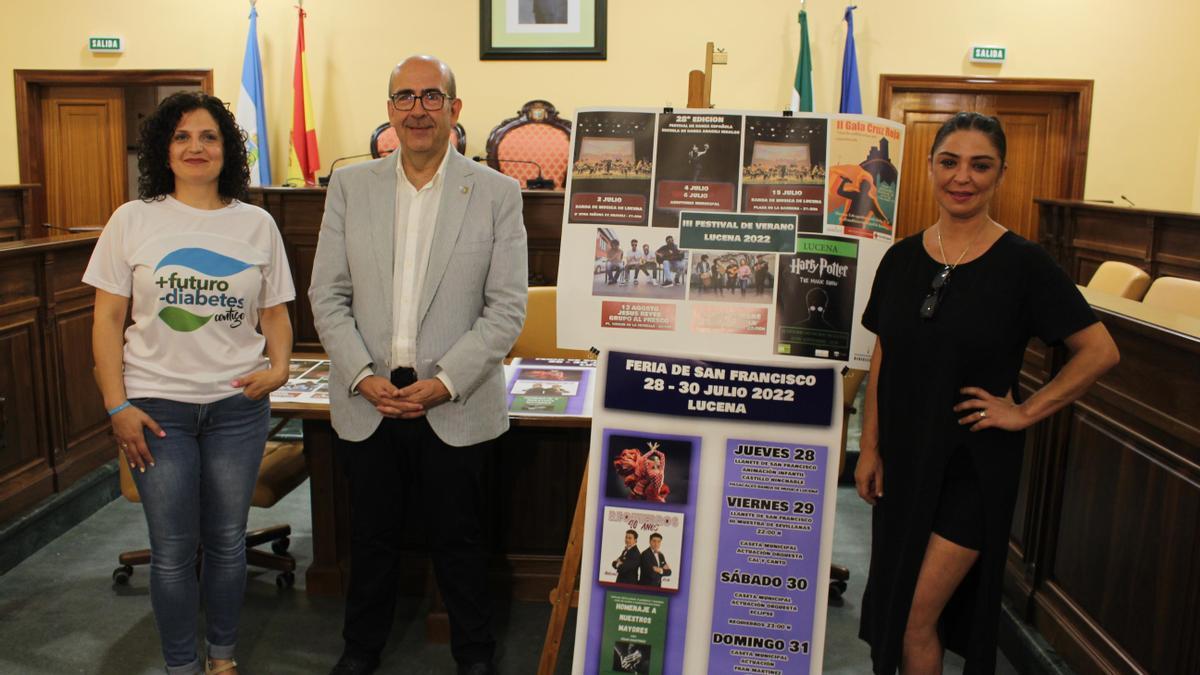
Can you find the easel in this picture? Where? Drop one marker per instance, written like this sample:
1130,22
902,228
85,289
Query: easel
564,596
700,82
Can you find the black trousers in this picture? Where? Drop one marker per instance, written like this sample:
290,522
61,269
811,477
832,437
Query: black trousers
404,478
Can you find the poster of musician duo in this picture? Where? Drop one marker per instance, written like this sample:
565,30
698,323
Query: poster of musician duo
694,229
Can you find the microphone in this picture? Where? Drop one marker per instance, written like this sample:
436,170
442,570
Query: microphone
323,181
1127,199
539,183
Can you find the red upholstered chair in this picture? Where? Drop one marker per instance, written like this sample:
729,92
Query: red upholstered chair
384,140
536,134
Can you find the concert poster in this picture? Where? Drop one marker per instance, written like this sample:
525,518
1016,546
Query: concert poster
721,186
733,276
697,166
783,168
648,468
864,178
814,314
639,263
612,167
641,549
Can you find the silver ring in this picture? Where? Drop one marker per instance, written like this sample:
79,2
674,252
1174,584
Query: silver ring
982,414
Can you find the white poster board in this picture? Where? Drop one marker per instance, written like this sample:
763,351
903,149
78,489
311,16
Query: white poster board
756,233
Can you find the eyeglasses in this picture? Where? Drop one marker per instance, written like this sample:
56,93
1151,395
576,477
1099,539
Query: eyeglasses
929,306
432,100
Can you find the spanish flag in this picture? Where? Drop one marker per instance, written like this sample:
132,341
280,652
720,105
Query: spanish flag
303,160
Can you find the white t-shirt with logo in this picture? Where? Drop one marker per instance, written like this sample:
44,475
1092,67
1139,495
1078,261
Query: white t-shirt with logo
198,279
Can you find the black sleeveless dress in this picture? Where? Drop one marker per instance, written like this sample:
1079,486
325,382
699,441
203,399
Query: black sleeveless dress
989,310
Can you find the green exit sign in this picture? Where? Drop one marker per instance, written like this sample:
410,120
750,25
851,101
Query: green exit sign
106,44
988,54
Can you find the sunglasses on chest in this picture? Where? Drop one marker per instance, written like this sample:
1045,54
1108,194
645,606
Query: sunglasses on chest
929,306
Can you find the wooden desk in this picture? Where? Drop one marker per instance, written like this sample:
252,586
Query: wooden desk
1103,555
532,477
16,212
1081,235
298,212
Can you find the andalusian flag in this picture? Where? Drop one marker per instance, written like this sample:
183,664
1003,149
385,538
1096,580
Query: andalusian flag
802,88
251,108
303,161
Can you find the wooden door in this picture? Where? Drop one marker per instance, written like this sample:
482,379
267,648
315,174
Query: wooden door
1046,126
84,140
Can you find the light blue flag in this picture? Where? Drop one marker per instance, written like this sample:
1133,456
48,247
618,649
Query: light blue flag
851,100
251,109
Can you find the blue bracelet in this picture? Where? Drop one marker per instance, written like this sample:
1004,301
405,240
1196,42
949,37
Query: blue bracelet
119,408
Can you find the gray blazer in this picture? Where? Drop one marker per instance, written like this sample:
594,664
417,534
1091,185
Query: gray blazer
472,304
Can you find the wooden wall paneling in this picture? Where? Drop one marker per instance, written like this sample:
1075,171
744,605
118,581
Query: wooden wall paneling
1116,563
1154,390
1068,630
81,430
535,471
1035,491
1055,232
298,213
301,255
1176,247
543,215
26,476
551,459
301,213
1191,620
1126,542
1109,235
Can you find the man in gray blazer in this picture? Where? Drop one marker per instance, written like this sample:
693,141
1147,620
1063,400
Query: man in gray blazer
418,292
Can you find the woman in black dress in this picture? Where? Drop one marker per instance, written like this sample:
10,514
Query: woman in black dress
953,309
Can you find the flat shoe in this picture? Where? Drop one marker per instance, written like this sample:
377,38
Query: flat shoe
210,669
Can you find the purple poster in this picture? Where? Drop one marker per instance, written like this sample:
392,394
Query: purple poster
548,389
768,557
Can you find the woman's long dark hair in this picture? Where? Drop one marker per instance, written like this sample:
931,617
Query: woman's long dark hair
155,180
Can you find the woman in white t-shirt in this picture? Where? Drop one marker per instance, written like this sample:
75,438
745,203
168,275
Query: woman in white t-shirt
186,384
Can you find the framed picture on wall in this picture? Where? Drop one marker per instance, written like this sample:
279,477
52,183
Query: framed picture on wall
543,29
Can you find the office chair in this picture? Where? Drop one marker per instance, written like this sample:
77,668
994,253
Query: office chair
1120,279
539,336
384,140
534,144
1174,294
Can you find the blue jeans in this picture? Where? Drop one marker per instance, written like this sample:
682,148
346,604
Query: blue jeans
198,494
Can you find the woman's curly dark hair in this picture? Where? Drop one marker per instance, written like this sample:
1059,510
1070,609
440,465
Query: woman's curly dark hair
156,180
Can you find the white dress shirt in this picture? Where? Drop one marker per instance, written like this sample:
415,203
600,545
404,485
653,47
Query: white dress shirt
416,219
